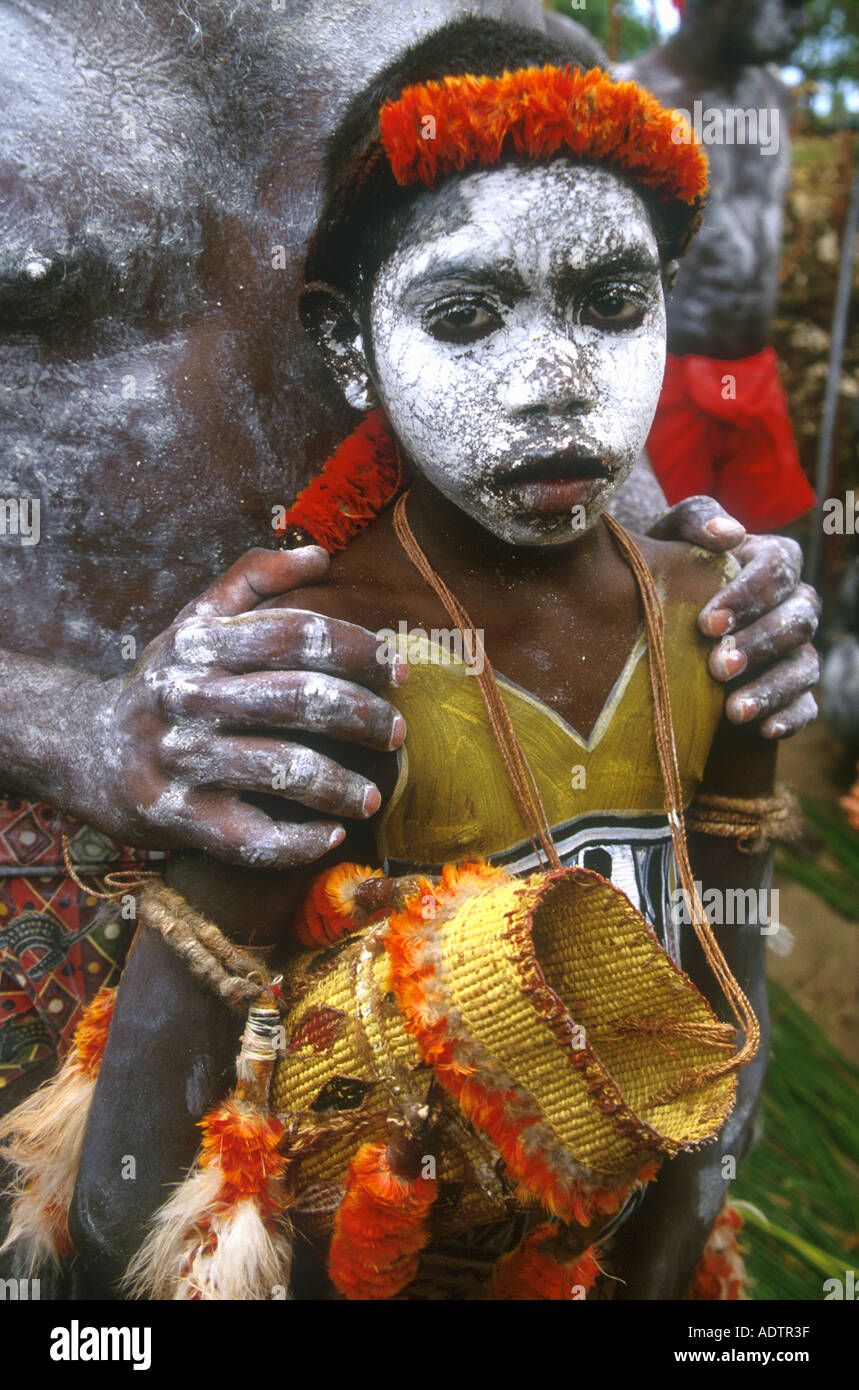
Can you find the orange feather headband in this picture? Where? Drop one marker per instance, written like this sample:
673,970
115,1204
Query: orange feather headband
435,128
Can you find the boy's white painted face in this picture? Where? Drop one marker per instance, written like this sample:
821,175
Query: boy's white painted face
518,332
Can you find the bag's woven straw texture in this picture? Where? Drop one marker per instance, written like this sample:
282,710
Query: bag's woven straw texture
554,993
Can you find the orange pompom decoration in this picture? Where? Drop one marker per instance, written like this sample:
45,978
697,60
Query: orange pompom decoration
330,910
380,1227
358,481
538,1270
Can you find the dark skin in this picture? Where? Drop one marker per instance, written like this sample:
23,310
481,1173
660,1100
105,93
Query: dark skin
159,378
160,413
501,587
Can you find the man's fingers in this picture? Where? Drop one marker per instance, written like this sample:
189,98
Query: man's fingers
314,703
790,720
777,688
258,575
787,628
771,569
287,639
699,521
230,829
269,765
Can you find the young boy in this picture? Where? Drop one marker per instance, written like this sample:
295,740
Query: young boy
503,298
510,319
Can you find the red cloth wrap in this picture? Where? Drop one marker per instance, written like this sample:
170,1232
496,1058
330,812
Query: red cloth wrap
740,451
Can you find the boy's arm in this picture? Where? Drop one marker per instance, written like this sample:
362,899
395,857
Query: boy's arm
172,1046
657,1250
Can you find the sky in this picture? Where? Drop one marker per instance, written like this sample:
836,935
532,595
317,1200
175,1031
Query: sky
665,13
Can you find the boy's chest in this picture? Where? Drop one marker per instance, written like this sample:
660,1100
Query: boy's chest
568,655
453,796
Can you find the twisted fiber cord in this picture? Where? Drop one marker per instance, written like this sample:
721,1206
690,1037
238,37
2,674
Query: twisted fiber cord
519,770
753,821
527,793
663,727
120,882
234,974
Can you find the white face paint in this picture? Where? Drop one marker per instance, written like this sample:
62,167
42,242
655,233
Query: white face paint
519,340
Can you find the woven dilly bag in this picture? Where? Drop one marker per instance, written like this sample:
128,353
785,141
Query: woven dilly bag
562,1039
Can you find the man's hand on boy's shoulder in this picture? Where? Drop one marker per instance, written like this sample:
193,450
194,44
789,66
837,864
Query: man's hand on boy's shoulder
763,620
210,713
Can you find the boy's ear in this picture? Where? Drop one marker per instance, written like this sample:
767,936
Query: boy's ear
329,319
669,275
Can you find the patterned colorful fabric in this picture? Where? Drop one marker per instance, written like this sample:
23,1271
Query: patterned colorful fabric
58,944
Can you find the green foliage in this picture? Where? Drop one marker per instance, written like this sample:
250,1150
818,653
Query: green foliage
837,879
636,33
797,1190
829,52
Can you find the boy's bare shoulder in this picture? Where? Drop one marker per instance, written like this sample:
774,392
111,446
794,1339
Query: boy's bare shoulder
685,572
358,586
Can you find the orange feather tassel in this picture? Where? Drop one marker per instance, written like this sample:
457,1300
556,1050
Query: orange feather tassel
358,481
534,1271
329,910
380,1227
720,1274
224,1233
43,1137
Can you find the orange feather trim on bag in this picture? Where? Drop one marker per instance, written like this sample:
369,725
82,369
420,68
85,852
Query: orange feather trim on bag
358,481
534,1270
380,1227
43,1137
537,112
500,1114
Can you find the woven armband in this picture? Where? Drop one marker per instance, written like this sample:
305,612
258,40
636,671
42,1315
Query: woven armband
754,822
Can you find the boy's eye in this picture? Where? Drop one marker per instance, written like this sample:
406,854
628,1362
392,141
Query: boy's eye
612,308
463,323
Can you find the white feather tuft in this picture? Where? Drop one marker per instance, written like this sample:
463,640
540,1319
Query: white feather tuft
248,1261
195,1252
162,1260
42,1140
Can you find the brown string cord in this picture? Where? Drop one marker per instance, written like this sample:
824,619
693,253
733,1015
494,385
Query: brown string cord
120,882
234,973
524,783
525,787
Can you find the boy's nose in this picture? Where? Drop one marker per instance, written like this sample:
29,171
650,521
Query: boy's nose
551,379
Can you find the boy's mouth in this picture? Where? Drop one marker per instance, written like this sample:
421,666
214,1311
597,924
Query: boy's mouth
553,483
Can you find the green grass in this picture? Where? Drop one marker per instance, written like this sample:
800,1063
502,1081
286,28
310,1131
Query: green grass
797,1191
836,878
